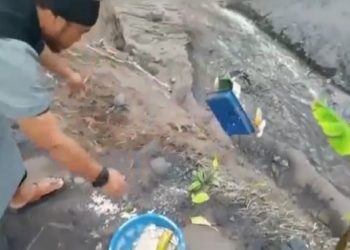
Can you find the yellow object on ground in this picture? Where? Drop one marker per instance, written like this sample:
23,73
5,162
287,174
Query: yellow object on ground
215,163
202,221
258,117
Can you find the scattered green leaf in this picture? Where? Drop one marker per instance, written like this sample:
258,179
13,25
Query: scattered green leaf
333,126
201,176
337,131
195,186
346,217
200,198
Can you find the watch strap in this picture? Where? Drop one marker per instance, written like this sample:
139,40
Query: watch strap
101,179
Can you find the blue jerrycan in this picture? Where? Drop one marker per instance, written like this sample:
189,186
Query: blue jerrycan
230,113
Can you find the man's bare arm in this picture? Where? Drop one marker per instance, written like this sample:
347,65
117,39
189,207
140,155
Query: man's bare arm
45,133
58,65
55,63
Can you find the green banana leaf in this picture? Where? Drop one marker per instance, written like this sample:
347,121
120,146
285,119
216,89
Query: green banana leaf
336,129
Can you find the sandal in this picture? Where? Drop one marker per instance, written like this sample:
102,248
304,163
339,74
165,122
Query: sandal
41,189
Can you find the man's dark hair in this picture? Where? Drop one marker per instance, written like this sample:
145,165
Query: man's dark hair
84,12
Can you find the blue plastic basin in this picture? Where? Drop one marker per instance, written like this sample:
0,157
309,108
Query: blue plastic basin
131,230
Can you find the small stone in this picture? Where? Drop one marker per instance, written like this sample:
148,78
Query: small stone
274,170
129,47
152,69
276,158
323,216
241,161
130,58
285,246
264,167
160,166
133,52
143,157
79,180
94,235
255,244
156,15
294,199
275,101
67,177
153,148
99,246
285,163
157,60
297,244
119,100
173,80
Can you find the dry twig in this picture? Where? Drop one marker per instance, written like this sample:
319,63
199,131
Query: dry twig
111,55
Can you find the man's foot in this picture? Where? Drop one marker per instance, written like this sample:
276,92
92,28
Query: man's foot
29,193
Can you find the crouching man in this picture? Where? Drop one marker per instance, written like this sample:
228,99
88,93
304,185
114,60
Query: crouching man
30,35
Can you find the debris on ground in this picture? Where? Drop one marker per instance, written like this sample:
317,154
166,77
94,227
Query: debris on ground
102,205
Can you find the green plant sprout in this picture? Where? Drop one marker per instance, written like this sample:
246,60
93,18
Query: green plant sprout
202,181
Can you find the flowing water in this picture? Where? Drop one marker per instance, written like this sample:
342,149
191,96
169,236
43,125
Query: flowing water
274,79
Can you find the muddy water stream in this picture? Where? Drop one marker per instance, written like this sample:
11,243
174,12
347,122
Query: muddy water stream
275,80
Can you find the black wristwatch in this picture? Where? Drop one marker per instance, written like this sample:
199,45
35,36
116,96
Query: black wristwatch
101,179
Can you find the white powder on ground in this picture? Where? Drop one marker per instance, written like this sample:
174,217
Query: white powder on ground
101,205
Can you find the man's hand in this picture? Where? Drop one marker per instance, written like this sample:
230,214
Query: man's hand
60,66
55,63
116,185
76,83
